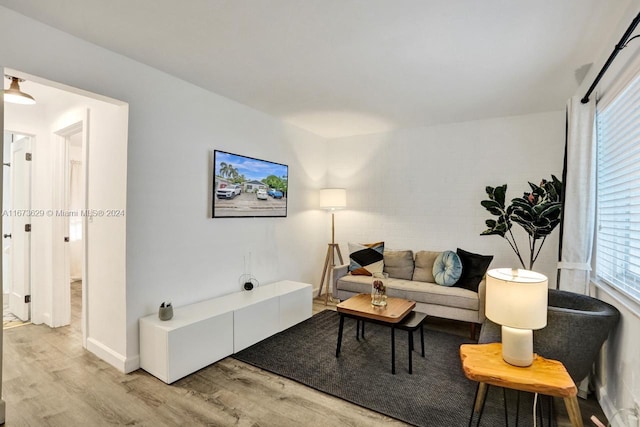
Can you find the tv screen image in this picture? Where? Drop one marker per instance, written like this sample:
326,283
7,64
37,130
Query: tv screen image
246,187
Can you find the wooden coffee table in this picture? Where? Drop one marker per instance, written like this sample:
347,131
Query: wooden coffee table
359,307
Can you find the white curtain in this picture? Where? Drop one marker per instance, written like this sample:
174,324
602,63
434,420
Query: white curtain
580,198
76,203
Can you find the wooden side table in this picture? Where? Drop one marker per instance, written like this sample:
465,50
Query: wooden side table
483,363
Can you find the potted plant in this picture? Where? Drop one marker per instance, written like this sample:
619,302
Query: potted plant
538,212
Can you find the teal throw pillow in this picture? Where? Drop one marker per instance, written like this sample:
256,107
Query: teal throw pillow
447,268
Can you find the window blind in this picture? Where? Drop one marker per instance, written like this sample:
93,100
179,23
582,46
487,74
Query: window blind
618,191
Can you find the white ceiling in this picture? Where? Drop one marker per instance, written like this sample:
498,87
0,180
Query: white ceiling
348,67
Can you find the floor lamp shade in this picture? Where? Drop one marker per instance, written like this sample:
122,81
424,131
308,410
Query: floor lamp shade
517,300
333,198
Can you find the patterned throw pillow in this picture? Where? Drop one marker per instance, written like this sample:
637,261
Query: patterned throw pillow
447,268
366,258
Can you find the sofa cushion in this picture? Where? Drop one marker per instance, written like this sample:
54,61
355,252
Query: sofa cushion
366,258
474,267
447,268
399,264
423,271
425,293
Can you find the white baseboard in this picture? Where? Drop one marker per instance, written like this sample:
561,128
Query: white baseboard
607,405
46,319
131,364
113,358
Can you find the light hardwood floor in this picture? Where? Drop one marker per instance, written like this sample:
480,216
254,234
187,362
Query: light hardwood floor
50,380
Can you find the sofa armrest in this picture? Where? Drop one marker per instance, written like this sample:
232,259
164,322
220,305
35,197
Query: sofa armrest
339,271
482,293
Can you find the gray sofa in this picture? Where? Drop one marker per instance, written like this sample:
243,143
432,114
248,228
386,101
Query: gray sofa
412,278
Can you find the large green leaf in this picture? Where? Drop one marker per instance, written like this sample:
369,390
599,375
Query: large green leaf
552,210
499,194
498,227
493,207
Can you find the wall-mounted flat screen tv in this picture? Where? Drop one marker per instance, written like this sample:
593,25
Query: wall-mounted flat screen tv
245,187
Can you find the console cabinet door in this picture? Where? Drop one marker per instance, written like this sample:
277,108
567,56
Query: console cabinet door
198,345
295,307
255,323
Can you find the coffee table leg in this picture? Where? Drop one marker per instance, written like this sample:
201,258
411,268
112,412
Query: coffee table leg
422,338
393,350
340,335
358,329
362,332
410,352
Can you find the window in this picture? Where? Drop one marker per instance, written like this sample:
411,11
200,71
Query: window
618,191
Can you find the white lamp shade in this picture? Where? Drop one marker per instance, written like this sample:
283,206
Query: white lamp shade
15,95
517,298
18,98
333,198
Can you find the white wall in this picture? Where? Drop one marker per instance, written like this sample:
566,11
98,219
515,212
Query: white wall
618,385
421,188
173,250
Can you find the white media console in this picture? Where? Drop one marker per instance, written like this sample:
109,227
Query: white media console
202,333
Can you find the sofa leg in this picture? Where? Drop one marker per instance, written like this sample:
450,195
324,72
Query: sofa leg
473,331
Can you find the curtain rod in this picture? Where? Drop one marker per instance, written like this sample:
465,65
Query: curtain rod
621,45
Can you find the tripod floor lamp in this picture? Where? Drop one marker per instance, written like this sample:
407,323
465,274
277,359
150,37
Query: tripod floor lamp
331,199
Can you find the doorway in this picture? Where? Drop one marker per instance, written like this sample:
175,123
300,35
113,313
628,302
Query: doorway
16,229
61,114
76,208
69,226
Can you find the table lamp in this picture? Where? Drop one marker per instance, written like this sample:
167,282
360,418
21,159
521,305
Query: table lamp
331,199
517,300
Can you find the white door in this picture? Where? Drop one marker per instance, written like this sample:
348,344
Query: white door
20,286
61,274
6,218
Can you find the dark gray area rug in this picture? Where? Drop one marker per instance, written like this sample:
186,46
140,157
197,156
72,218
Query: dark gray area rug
437,394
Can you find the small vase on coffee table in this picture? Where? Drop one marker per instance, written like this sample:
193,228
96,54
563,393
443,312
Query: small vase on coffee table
379,290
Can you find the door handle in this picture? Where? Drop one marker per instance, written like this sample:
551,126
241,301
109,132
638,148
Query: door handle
7,235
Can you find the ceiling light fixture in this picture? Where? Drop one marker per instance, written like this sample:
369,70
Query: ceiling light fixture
15,95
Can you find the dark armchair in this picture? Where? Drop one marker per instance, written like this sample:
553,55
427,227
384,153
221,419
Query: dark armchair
577,326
